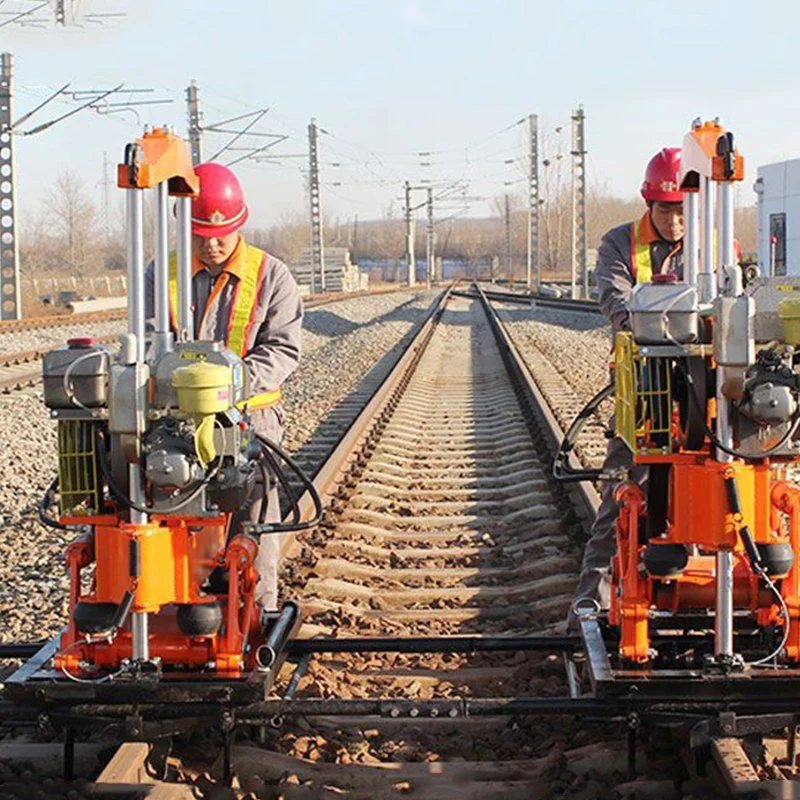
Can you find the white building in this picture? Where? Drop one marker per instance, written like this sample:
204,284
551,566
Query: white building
778,190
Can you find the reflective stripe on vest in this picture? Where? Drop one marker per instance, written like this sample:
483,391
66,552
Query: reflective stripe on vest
641,257
263,400
245,300
641,267
173,290
244,306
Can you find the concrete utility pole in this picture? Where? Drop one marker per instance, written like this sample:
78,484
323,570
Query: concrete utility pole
430,242
195,129
412,267
61,13
508,237
108,181
579,256
317,246
534,267
10,302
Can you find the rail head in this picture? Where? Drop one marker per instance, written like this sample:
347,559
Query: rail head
585,497
346,451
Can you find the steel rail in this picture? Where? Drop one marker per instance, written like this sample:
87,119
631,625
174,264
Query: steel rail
535,299
567,304
346,451
585,497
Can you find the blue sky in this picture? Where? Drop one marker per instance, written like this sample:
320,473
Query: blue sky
388,79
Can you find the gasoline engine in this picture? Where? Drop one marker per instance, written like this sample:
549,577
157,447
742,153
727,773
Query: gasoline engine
156,454
708,396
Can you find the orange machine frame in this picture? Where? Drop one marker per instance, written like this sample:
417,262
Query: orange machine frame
698,515
176,554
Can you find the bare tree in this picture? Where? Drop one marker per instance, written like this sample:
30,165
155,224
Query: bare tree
73,215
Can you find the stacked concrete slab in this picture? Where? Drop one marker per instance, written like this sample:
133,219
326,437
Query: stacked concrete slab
341,275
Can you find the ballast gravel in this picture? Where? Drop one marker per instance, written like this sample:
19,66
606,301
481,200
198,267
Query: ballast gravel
44,338
342,342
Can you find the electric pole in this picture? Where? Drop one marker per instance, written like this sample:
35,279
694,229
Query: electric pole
412,268
10,304
579,256
108,181
534,267
10,300
430,241
317,248
508,238
195,129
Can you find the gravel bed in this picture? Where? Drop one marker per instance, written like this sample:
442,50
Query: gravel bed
340,348
576,344
342,342
53,337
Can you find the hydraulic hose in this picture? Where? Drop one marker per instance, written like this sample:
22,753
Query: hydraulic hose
563,472
44,504
272,463
319,511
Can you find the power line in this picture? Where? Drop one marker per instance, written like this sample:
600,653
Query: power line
10,129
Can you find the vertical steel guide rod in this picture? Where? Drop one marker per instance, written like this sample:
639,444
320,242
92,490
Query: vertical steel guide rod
708,287
723,620
691,209
162,336
728,283
134,208
184,250
729,271
134,211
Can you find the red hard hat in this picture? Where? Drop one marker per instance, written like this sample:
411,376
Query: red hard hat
661,177
219,209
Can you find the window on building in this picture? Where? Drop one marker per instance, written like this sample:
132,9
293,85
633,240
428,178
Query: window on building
777,243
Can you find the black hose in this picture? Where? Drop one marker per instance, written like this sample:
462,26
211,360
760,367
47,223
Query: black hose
44,503
262,513
562,471
272,463
307,483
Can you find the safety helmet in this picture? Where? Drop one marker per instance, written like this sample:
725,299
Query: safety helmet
661,177
219,209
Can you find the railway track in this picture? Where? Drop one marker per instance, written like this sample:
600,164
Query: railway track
448,525
446,554
538,299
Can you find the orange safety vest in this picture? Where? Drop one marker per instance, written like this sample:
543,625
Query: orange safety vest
242,316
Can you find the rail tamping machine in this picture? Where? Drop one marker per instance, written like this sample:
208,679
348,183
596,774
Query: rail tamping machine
156,454
707,391
706,579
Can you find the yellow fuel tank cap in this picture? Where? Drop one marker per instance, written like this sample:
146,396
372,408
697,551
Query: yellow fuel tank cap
203,388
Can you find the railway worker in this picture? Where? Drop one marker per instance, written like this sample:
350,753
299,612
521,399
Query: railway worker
250,301
629,254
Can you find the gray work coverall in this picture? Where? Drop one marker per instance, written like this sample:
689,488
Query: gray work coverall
615,281
272,353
